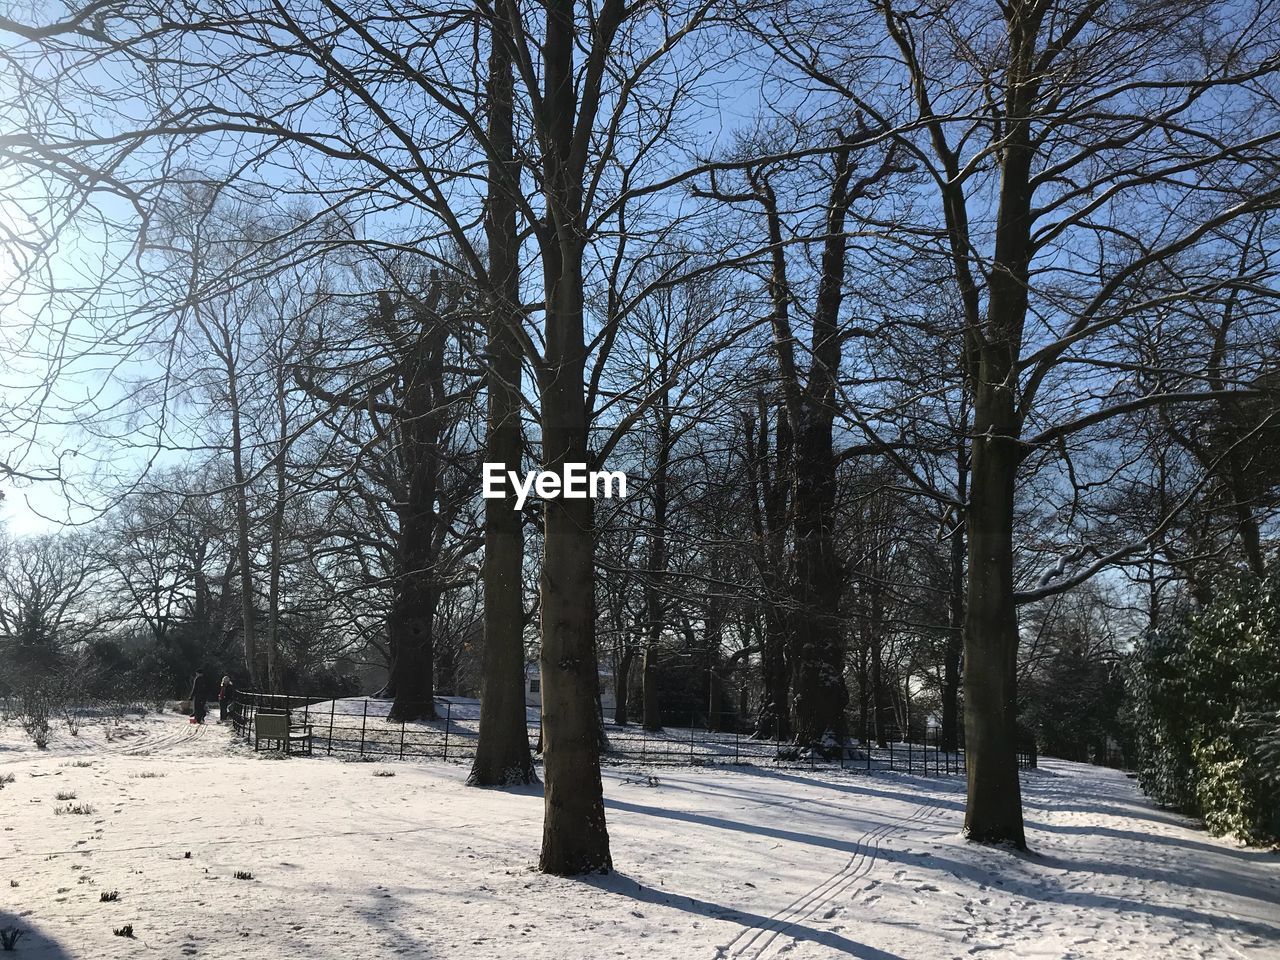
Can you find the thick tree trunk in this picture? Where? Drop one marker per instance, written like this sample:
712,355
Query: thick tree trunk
411,624
651,716
774,721
816,648
819,694
502,751
993,813
574,836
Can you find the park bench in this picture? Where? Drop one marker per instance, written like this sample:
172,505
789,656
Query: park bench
279,728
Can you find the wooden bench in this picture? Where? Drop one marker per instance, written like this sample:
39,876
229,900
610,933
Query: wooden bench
278,728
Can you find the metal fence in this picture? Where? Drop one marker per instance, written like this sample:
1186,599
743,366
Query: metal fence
360,729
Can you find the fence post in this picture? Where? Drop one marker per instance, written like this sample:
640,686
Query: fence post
402,739
891,751
908,751
328,751
363,722
447,714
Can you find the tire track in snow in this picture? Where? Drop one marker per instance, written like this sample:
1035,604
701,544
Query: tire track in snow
755,942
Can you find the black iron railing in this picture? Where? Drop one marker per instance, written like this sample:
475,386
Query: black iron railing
362,729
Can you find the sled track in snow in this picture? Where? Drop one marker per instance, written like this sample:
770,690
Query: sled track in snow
757,942
148,744
139,745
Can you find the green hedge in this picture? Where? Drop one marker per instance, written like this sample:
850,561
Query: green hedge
1206,698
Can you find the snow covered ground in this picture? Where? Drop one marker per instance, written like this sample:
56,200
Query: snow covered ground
710,863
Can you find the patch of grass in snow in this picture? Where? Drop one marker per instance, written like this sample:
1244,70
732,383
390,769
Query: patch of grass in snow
125,931
9,937
65,795
147,775
243,875
77,763
82,809
109,897
384,773
6,778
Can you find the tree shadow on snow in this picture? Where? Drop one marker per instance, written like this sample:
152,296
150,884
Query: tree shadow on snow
942,791
34,944
973,871
623,885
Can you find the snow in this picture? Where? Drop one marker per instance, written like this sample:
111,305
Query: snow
715,862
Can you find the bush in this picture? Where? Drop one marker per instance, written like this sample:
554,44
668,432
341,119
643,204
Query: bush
1207,712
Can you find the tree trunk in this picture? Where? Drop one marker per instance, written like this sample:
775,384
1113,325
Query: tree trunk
819,694
574,836
274,678
881,710
954,645
410,624
993,812
951,657
502,751
410,627
713,635
244,558
816,647
774,721
864,692
651,716
622,685
654,605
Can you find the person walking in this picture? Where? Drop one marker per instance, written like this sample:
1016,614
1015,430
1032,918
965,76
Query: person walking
198,695
226,696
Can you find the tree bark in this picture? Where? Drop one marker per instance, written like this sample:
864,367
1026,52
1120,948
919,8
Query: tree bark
502,751
244,556
574,836
654,608
410,626
993,813
819,693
